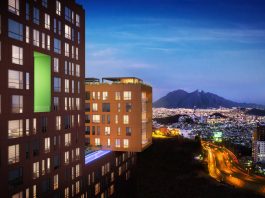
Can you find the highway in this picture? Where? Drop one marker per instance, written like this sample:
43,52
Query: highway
224,167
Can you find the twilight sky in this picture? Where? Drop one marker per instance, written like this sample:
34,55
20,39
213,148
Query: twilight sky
213,45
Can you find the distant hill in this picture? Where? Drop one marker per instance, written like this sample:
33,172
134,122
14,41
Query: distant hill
198,99
256,112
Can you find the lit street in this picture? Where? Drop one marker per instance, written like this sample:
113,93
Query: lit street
223,166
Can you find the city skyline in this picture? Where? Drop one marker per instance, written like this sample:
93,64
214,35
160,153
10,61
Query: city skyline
213,46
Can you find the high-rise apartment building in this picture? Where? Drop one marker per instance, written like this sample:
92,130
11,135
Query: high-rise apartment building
258,144
42,70
118,114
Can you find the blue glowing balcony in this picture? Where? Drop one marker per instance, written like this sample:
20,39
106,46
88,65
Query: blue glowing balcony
95,155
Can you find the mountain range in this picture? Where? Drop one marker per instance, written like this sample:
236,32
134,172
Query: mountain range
198,99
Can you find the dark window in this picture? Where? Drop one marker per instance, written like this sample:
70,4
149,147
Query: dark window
98,130
27,10
45,3
88,95
15,177
128,131
46,185
27,151
87,107
87,118
36,147
103,119
43,124
87,129
128,107
36,16
106,107
108,119
15,30
57,46
68,14
67,122
93,130
56,162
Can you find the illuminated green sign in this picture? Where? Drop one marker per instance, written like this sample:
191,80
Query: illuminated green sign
42,82
217,136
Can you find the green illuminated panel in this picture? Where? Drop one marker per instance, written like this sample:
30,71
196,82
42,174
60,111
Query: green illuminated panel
42,82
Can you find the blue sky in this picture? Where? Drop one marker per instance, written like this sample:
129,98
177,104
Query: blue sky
213,45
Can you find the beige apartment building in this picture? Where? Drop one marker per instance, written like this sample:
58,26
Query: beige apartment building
118,114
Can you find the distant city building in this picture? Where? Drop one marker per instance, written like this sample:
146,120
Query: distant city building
258,144
217,136
118,114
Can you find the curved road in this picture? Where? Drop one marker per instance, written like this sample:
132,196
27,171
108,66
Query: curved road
223,166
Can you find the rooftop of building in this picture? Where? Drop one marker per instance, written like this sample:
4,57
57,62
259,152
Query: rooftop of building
115,80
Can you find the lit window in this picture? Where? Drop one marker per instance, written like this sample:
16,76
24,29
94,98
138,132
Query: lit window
107,130
111,189
58,8
13,6
36,170
97,141
15,30
125,119
77,101
97,188
77,153
66,157
18,195
66,49
17,55
27,81
67,30
15,79
67,139
47,21
66,192
108,142
77,19
127,95
77,170
117,95
36,38
126,143
76,54
27,34
48,42
94,107
17,104
56,65
96,118
66,86
58,123
15,128
77,70
43,41
55,182
105,95
118,143
13,154
47,145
